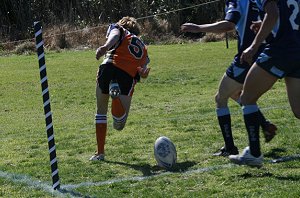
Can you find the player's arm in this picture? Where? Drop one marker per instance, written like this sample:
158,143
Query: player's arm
112,39
270,19
144,70
218,27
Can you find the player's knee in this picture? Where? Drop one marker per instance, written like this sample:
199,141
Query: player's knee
244,99
220,100
217,98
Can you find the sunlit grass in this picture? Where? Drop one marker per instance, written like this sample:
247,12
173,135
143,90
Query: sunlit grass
177,100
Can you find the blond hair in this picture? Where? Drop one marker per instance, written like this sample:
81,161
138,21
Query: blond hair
130,24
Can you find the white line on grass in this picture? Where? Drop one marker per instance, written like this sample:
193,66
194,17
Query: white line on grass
18,178
141,178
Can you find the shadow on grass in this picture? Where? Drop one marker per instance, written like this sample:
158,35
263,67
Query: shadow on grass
275,153
72,193
278,156
295,178
148,170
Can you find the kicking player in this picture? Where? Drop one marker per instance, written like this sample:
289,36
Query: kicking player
239,16
280,59
125,61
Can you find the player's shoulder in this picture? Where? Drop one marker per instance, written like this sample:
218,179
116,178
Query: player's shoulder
113,26
235,6
261,3
232,3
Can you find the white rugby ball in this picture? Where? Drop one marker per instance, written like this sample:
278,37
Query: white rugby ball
165,152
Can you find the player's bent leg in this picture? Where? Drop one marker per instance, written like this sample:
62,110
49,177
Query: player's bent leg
226,88
114,89
256,76
292,87
120,109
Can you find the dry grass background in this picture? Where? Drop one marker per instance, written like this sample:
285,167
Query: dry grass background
61,37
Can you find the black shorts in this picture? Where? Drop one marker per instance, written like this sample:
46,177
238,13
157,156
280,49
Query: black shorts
280,66
108,72
238,72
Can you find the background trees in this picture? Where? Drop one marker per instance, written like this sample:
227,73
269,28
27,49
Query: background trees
17,16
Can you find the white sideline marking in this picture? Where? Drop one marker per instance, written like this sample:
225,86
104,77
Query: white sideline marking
17,178
141,178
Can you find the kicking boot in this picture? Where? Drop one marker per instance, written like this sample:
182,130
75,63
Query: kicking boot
225,152
247,159
96,157
114,89
269,131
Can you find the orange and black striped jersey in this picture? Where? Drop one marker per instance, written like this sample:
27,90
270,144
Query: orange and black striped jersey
128,53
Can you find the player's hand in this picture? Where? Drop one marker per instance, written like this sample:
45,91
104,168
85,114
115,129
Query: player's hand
247,55
190,27
101,51
255,26
143,72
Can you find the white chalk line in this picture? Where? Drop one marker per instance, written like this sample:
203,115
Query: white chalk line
141,178
190,172
18,178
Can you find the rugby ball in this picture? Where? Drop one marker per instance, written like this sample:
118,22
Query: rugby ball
165,152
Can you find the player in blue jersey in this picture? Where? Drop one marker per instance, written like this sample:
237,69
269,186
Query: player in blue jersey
239,17
280,59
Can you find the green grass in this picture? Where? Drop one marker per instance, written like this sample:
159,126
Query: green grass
177,100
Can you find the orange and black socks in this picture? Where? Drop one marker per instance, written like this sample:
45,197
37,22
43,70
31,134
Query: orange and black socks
118,111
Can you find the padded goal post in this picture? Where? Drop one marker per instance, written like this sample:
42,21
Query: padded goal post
46,101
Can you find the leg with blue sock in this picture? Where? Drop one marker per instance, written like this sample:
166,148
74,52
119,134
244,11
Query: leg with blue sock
268,128
224,120
251,118
251,155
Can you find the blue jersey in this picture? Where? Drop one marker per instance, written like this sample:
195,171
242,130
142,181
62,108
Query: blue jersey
242,13
287,30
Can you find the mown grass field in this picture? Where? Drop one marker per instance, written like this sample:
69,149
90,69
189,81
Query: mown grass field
177,101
